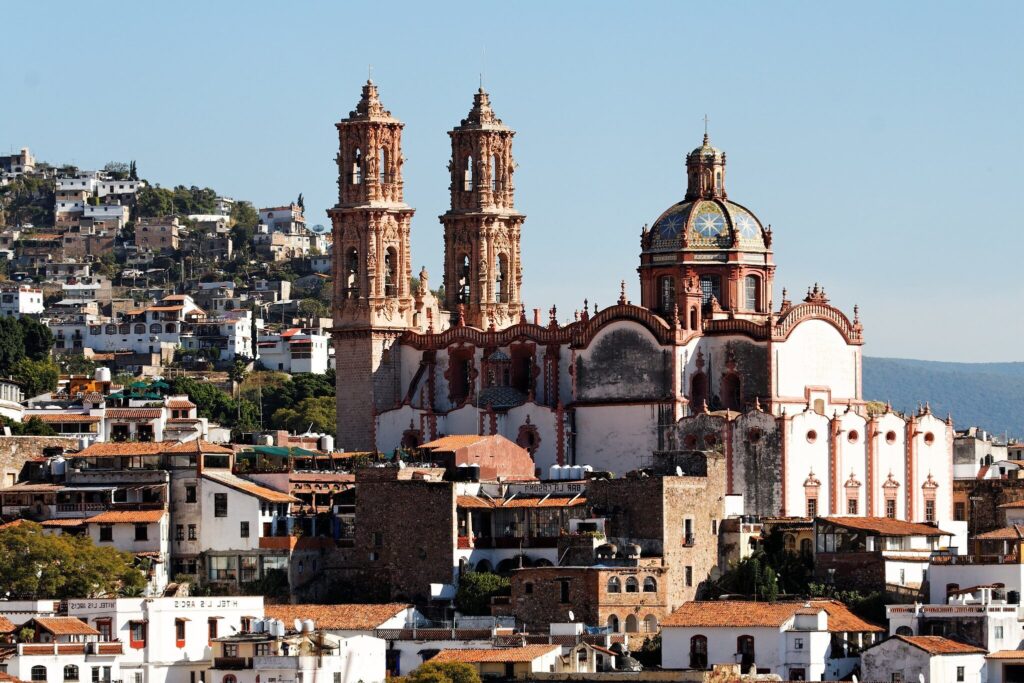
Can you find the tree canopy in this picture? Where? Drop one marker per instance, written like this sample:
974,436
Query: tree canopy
442,672
34,566
476,590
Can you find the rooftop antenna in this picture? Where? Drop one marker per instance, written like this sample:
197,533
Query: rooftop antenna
706,120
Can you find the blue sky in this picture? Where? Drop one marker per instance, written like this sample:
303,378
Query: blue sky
882,141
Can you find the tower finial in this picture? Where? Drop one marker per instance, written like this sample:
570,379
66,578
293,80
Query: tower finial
706,120
622,293
369,73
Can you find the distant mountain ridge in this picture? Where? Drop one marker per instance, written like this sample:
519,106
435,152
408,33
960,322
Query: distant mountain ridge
989,395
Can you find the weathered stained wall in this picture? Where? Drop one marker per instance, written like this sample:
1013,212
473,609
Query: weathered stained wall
757,463
623,363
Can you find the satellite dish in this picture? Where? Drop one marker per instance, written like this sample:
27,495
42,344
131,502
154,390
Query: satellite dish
679,471
572,617
920,678
854,678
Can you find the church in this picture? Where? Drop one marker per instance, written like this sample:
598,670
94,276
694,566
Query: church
704,360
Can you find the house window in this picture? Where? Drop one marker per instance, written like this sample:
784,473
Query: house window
650,585
211,627
929,511
687,532
223,568
106,533
137,634
220,505
698,652
38,673
812,507
230,650
378,539
262,649
179,532
710,286
890,508
959,512
689,576
999,632
960,674
243,530
564,591
798,643
71,673
191,532
667,293
190,494
528,588
614,585
103,626
750,289
632,585
851,506
179,632
141,532
897,677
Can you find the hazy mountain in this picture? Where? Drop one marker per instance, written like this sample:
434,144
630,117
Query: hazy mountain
989,395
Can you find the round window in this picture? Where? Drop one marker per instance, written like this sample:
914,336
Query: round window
754,435
852,436
890,437
929,438
812,436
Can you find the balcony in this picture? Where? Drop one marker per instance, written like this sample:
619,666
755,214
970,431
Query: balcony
232,663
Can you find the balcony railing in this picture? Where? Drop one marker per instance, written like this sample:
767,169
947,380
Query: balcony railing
232,663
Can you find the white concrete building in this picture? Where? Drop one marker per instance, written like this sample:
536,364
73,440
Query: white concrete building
19,300
816,640
167,639
107,188
116,214
978,614
143,533
294,351
933,659
64,649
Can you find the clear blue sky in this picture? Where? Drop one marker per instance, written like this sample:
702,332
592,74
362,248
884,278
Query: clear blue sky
881,140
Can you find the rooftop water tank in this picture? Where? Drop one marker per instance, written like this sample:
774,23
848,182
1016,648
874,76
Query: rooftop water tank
555,473
327,443
308,626
102,374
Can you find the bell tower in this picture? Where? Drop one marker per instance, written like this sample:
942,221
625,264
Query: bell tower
371,267
482,267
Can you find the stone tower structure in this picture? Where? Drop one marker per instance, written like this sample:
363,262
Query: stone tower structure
371,267
482,267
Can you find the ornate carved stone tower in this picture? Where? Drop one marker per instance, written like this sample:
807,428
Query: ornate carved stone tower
372,301
482,268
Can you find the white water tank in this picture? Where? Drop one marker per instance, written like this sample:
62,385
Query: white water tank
298,625
258,626
308,626
267,440
575,472
555,473
58,465
102,374
327,443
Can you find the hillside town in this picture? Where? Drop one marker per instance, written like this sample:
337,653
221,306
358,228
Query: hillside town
238,447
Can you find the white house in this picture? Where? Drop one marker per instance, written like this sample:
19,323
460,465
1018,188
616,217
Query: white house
815,640
294,351
168,640
979,614
909,658
143,533
113,213
19,300
64,649
995,560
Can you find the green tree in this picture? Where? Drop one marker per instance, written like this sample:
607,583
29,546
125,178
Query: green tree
153,202
301,202
315,414
77,364
245,219
36,376
476,590
442,672
37,338
133,171
751,576
30,427
34,565
313,308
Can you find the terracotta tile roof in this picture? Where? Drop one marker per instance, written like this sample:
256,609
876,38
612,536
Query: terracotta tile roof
1006,654
112,448
1015,532
64,418
338,617
252,488
744,613
128,517
473,502
198,446
883,526
450,443
526,653
165,308
6,625
551,502
937,645
66,626
180,403
134,413
63,522
1013,505
7,678
31,487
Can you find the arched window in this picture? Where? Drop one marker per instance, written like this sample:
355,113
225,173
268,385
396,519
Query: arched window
229,678
698,391
650,585
155,328
731,398
484,567
789,542
140,328
169,328
650,624
351,290
806,547
38,673
613,624
357,167
495,185
751,291
819,406
745,648
112,329
70,672
698,652
464,275
614,585
382,169
904,631
693,318
632,585
718,180
632,624
467,175
390,268
501,280
666,293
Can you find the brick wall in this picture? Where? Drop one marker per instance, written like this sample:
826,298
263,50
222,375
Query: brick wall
15,451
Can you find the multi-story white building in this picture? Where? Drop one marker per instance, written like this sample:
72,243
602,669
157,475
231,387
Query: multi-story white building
976,614
294,351
143,533
929,658
167,639
114,215
19,300
118,188
64,649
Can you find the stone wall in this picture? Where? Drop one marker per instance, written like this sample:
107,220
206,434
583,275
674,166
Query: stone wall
15,451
